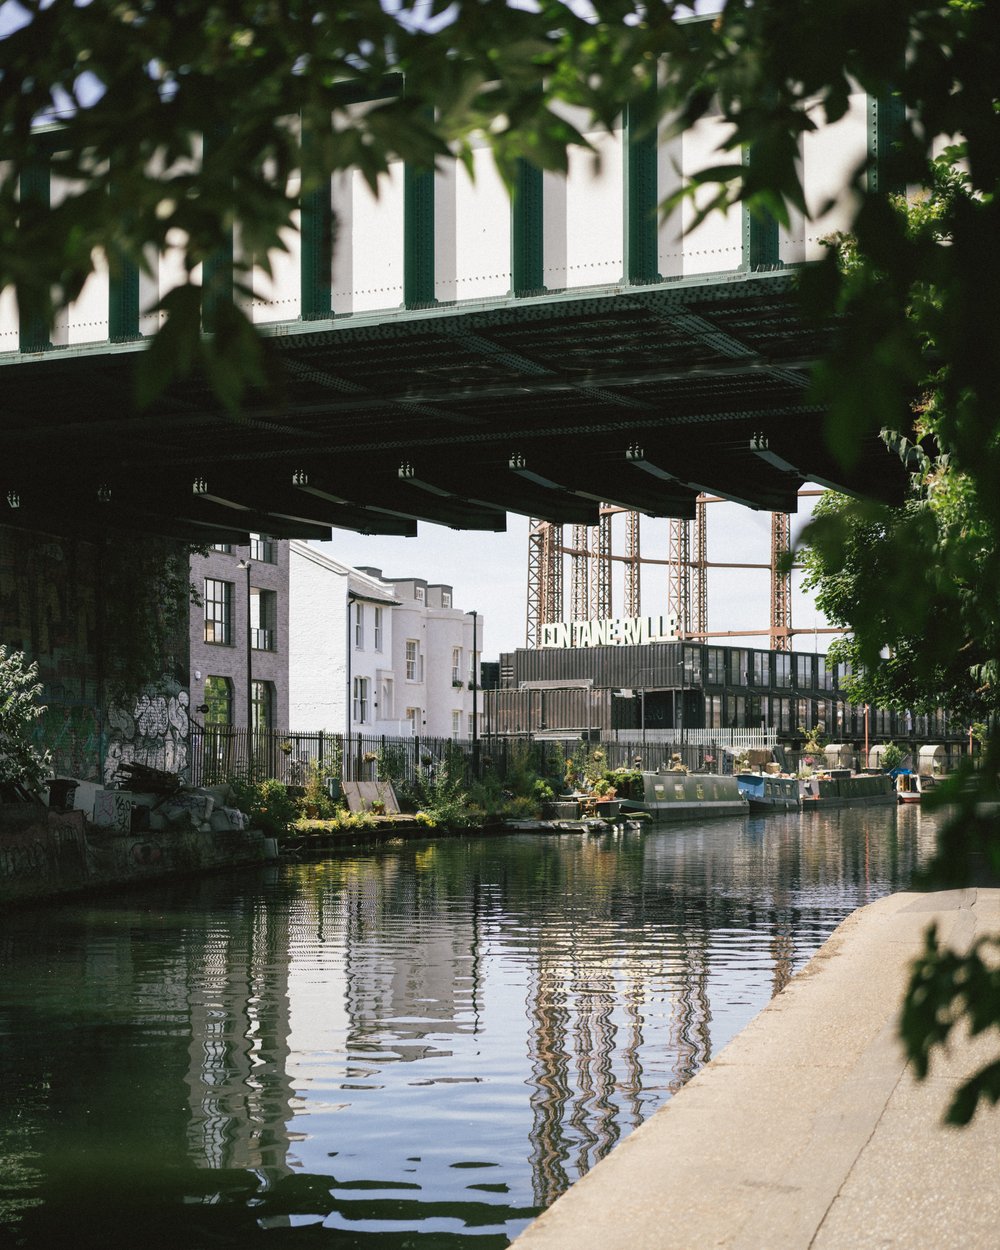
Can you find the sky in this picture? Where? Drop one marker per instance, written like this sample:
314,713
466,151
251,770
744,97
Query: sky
489,572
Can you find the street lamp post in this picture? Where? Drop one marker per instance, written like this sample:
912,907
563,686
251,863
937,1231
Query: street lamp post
475,696
246,564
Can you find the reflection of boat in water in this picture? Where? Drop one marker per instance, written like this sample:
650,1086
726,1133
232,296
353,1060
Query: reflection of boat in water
680,796
849,790
766,792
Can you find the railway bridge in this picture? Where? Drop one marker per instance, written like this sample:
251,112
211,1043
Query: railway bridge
462,353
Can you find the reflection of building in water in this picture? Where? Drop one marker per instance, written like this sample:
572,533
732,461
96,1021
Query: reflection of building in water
689,1033
238,1087
388,969
587,1020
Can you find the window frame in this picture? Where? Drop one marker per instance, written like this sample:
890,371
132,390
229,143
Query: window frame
221,621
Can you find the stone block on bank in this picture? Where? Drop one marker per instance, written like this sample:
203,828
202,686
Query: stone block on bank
224,819
113,810
191,808
84,796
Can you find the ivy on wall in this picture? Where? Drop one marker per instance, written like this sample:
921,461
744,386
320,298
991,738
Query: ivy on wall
144,599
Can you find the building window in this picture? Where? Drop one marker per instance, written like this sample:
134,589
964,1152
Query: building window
761,668
263,706
716,666
456,723
218,600
361,700
418,594
263,549
264,619
385,707
359,626
219,701
713,711
804,672
413,660
456,666
378,629
446,598
225,548
692,666
785,708
472,726
413,718
782,669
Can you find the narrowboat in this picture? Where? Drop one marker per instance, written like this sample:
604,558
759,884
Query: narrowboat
687,796
767,793
852,790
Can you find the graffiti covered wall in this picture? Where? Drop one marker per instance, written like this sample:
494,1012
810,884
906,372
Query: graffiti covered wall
62,602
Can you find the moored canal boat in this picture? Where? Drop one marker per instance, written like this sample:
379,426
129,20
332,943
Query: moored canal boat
766,792
911,787
854,790
683,796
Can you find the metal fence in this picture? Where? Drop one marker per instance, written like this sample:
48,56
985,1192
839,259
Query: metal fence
218,753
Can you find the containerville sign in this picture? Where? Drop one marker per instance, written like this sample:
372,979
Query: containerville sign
630,631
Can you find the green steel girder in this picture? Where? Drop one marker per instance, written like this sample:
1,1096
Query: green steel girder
690,369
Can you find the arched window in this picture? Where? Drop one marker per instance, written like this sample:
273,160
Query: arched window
219,700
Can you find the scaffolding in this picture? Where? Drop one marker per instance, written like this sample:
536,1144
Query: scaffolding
591,557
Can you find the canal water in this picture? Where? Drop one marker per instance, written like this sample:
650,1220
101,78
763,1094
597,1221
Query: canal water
420,1045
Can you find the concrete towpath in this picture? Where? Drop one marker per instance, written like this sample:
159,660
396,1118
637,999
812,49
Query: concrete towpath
808,1129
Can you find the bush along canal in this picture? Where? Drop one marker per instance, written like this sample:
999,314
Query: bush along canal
423,1043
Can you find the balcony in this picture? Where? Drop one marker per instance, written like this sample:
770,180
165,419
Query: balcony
263,639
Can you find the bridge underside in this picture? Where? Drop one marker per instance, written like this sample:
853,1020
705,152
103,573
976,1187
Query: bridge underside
546,406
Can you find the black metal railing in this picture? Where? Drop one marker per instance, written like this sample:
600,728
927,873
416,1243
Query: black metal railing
219,752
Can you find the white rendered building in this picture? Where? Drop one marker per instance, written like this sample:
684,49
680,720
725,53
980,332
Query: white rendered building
340,675
376,655
436,649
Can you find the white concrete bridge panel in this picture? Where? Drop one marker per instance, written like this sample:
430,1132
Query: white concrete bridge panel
10,335
471,231
583,214
85,320
278,296
830,156
368,242
716,245
670,226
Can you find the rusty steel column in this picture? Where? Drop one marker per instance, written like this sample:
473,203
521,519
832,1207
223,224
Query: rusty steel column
604,565
532,632
699,567
679,574
633,563
580,573
781,583
552,575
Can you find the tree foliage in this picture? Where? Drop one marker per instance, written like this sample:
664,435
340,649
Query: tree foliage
21,764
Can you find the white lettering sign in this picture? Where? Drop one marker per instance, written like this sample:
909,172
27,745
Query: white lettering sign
630,631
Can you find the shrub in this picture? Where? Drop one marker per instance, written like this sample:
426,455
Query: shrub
267,803
20,763
316,798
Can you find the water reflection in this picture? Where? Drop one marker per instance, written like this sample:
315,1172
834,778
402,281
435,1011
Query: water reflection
432,1040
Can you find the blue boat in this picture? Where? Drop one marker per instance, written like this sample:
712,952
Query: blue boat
767,793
